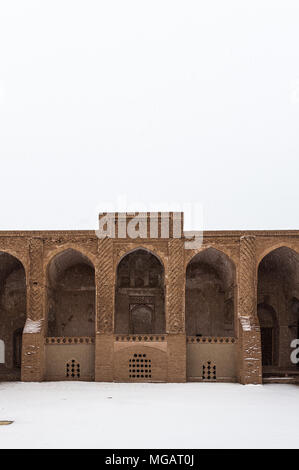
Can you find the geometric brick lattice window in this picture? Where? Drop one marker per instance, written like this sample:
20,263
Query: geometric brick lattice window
72,369
209,371
140,367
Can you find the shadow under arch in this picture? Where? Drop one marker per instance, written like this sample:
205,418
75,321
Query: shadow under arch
13,308
139,293
70,280
275,247
210,294
267,318
141,248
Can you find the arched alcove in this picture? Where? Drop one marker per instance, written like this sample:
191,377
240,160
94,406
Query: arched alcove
71,295
210,303
278,278
139,294
12,314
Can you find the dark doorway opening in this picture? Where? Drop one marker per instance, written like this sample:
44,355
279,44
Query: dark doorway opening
17,348
267,346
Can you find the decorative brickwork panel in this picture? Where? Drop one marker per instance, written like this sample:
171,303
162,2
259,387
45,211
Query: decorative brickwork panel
251,368
36,283
209,371
105,286
176,354
139,338
69,340
72,370
250,355
140,367
36,260
104,358
32,358
210,340
247,277
140,363
175,318
33,345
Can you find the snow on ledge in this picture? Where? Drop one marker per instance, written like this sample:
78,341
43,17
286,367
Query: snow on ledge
245,322
32,326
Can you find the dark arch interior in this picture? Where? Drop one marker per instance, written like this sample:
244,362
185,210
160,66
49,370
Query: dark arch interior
210,281
278,309
71,295
139,294
269,333
12,313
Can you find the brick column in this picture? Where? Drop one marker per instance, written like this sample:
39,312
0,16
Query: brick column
33,335
175,314
104,305
250,368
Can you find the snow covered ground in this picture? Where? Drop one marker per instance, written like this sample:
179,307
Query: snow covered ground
192,415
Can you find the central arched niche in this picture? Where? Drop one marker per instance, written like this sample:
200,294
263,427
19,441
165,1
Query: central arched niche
71,295
12,314
278,293
139,294
210,281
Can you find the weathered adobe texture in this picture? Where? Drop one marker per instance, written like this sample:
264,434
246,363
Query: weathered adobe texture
77,307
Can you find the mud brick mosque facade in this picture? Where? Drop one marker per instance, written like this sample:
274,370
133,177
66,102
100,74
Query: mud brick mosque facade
74,306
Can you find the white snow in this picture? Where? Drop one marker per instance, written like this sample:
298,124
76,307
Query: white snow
192,415
2,352
32,326
245,322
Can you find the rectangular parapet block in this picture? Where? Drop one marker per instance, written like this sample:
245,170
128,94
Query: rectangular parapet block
124,225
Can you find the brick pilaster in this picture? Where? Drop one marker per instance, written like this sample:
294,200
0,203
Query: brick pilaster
33,335
105,305
175,312
250,368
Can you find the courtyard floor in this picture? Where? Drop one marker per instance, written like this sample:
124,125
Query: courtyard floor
111,415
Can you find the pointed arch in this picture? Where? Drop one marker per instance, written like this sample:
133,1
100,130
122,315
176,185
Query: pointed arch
276,246
141,248
139,293
13,307
277,286
70,294
68,255
210,294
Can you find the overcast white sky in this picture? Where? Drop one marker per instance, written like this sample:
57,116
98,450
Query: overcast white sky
155,102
